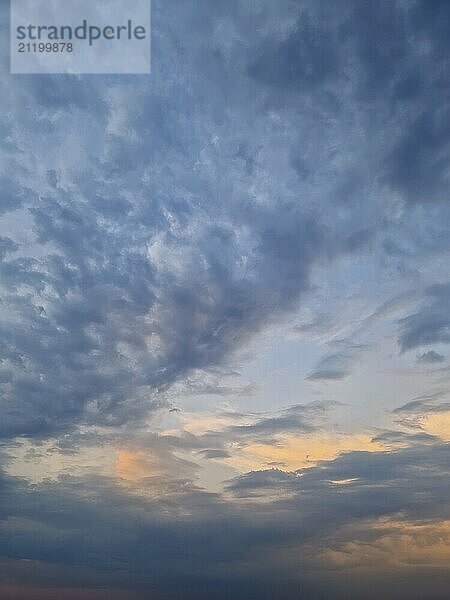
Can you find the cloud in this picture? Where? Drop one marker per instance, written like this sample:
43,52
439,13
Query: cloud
337,365
7,246
431,324
164,224
429,414
141,260
21,592
334,367
384,476
431,357
299,419
364,497
419,163
215,453
306,58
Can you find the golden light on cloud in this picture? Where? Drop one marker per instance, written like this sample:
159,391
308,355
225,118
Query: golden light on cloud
288,451
140,466
47,461
201,423
152,470
132,465
393,545
437,424
295,452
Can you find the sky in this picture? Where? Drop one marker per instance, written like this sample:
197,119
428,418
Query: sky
225,310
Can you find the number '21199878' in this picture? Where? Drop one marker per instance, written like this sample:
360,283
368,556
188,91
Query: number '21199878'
45,47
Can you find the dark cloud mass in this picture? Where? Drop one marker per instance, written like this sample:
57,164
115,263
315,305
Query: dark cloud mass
151,228
155,249
139,541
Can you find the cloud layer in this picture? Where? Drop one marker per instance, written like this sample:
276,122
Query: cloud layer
285,163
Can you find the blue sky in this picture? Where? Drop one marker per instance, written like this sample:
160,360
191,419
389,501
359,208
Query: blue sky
225,310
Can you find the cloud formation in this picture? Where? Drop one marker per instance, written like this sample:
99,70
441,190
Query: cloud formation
284,161
431,324
359,491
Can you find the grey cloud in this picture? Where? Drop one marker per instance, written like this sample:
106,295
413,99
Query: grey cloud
112,326
423,404
395,439
257,428
413,413
431,357
372,49
431,324
419,163
297,419
378,484
337,365
215,454
12,193
173,222
7,246
171,539
306,58
331,367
